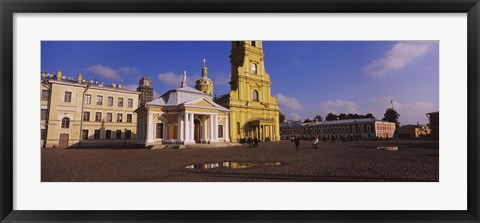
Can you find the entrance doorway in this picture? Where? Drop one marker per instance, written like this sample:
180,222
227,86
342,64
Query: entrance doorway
63,141
197,136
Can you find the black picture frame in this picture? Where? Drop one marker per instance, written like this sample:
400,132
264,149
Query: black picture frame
9,7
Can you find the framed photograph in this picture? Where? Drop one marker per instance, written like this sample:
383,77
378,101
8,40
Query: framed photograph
243,111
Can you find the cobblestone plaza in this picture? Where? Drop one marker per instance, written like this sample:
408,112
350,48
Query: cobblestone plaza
373,161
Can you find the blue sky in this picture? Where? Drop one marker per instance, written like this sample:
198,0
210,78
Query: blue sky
308,77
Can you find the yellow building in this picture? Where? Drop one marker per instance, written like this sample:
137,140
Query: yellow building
182,116
413,131
204,84
76,112
254,111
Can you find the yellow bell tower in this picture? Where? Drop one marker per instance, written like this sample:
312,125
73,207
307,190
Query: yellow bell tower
204,84
254,111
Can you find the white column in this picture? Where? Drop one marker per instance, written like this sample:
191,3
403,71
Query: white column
192,128
204,129
186,127
179,128
143,130
210,133
227,133
215,127
150,132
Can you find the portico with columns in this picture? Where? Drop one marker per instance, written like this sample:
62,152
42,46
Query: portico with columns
182,116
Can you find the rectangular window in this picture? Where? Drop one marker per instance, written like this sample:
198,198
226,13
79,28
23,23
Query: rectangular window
128,134
85,134
220,131
68,96
120,102
109,117
110,101
119,117
86,116
43,134
97,134
44,114
98,116
108,134
99,99
130,103
44,95
129,117
88,99
118,134
159,130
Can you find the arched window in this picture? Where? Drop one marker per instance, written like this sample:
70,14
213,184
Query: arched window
65,123
255,95
254,68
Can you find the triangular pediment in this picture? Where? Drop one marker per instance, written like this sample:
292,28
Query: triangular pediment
202,102
205,103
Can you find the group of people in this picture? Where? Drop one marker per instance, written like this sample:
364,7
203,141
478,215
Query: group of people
252,143
296,141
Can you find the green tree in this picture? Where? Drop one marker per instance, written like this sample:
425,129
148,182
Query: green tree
350,116
307,120
281,118
391,115
342,116
319,118
369,115
331,117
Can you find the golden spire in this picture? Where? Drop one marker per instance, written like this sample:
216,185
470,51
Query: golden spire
204,69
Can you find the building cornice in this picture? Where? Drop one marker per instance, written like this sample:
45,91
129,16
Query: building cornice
95,87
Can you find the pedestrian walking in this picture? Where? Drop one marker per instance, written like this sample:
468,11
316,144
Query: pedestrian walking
297,142
250,142
315,143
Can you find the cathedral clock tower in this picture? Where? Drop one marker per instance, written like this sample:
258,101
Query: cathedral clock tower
146,90
254,111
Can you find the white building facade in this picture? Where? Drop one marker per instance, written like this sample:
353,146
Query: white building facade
367,128
182,116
